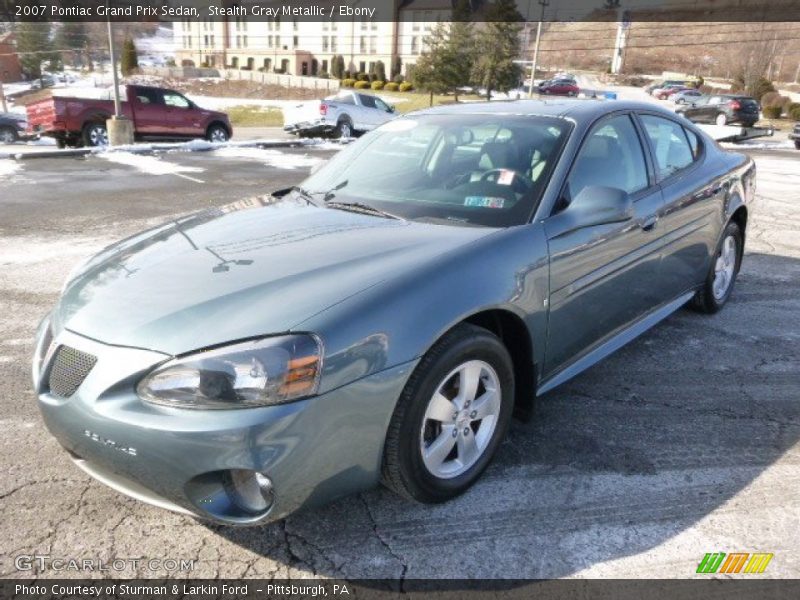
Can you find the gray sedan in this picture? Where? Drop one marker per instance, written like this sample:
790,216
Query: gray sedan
384,320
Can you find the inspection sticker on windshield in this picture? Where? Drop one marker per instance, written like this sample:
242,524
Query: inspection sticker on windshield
506,177
484,201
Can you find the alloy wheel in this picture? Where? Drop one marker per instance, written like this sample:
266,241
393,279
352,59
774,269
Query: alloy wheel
460,419
98,136
218,135
724,268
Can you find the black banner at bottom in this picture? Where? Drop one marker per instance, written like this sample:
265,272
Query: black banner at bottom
262,589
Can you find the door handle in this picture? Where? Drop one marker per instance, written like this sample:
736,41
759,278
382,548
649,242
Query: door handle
649,223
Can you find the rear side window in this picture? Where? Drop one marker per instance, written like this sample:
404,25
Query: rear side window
670,145
611,156
694,143
368,101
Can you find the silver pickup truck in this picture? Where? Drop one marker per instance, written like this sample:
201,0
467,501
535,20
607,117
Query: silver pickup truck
343,115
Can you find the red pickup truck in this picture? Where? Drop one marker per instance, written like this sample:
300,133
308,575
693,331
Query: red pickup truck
157,114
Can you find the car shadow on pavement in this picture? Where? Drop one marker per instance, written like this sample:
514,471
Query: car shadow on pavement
621,460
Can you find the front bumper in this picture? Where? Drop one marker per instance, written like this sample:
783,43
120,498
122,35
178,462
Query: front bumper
312,450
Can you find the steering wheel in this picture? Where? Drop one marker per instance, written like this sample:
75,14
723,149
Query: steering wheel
519,181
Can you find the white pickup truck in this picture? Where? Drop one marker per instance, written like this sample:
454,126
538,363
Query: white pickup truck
343,115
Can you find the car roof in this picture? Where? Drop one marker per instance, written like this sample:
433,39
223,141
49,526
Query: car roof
574,108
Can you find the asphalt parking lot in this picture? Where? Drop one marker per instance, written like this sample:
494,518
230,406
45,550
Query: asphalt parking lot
682,443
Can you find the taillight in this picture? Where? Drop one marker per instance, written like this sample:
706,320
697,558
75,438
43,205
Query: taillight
323,109
734,104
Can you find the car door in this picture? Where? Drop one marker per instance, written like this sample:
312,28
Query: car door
369,113
183,117
692,203
384,112
694,112
149,111
602,277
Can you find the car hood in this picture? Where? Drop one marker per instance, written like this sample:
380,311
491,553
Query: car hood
230,273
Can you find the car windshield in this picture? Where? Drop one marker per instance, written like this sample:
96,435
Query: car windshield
480,170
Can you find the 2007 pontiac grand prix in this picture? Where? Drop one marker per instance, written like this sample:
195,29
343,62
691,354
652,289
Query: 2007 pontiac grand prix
383,320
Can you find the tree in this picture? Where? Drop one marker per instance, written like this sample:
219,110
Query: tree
129,61
380,71
34,48
70,40
462,45
397,66
498,41
337,66
433,70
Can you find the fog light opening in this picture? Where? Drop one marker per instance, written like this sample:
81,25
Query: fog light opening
250,491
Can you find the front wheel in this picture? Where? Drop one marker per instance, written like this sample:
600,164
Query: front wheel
797,144
95,134
722,272
451,416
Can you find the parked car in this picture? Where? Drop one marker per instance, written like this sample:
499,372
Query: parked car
13,127
564,75
382,321
345,115
559,87
795,135
45,81
653,87
722,109
666,91
157,114
685,96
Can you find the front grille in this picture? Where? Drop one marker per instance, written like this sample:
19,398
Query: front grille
68,370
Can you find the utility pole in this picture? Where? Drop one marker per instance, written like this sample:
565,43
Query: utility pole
113,57
119,129
3,98
544,4
623,27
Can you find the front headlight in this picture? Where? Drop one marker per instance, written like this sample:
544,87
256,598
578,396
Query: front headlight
256,373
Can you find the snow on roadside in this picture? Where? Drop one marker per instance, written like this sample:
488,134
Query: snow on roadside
151,165
270,158
8,167
760,145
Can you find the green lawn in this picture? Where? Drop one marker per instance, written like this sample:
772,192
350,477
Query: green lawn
407,101
249,115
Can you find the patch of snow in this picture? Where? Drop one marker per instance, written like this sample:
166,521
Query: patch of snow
148,164
8,167
754,144
220,103
271,158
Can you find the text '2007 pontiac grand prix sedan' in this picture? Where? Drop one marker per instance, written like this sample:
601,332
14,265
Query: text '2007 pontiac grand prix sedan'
382,321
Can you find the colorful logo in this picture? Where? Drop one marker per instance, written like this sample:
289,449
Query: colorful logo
735,562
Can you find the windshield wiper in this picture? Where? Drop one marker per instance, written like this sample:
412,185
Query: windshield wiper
305,194
360,207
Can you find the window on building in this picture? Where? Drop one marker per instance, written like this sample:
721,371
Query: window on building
364,24
294,24
244,41
415,45
362,46
373,44
325,44
334,43
295,41
325,65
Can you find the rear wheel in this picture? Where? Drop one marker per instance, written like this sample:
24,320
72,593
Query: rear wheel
721,119
95,134
451,416
797,144
344,129
217,134
722,272
8,135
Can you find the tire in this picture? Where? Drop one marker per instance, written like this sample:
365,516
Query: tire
217,134
712,297
344,128
797,144
8,135
721,119
95,134
420,421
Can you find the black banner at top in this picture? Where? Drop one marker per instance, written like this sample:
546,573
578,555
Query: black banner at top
403,10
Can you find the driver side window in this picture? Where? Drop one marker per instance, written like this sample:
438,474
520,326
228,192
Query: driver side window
175,100
611,156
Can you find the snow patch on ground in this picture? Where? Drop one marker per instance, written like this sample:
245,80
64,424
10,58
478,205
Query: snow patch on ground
752,144
271,158
149,164
8,168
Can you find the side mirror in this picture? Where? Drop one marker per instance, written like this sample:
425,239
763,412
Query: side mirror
594,205
392,108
